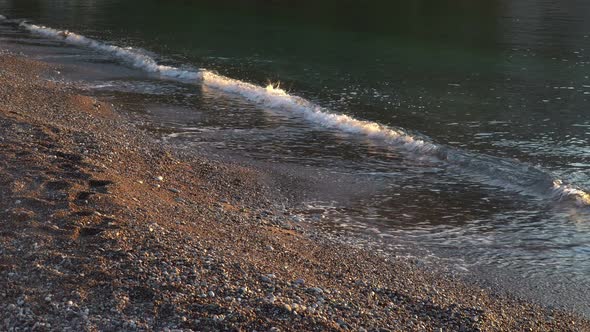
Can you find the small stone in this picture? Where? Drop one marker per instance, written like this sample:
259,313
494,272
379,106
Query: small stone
174,190
316,290
299,282
159,178
211,294
297,218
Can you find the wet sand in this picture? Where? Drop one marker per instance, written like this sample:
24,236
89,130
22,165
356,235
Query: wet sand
106,228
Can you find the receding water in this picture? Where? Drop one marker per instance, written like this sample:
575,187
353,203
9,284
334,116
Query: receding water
468,120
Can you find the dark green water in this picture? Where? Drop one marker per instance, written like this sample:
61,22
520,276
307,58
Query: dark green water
502,88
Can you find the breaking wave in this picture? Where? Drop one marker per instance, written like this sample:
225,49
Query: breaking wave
271,96
127,54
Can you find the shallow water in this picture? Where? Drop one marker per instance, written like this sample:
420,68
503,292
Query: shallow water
470,120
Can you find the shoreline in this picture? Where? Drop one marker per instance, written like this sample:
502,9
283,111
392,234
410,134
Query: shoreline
106,229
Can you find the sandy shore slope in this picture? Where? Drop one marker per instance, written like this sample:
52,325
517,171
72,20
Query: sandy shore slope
103,228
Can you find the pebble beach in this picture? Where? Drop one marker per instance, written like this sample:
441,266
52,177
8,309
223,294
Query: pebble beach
106,228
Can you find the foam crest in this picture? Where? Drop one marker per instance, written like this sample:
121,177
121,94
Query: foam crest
270,96
563,191
2,17
274,97
133,57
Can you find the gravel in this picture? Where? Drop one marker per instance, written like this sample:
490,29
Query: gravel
94,245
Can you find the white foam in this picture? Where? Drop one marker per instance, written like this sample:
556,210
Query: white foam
562,191
2,17
133,57
270,96
276,98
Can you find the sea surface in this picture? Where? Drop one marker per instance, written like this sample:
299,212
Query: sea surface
454,131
